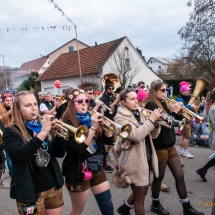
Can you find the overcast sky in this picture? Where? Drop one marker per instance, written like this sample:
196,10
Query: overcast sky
150,25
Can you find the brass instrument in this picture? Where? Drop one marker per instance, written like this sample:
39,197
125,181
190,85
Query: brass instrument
1,135
147,114
201,83
112,79
80,133
62,99
111,126
188,114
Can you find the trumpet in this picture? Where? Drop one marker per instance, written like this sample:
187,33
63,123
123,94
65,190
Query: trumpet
147,115
105,107
80,133
62,99
188,114
111,126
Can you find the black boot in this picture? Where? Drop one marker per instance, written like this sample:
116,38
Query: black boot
157,208
124,209
202,172
189,210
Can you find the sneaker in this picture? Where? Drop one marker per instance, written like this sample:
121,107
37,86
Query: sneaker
109,159
109,169
180,151
188,155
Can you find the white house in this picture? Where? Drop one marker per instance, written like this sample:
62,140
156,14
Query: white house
158,64
95,62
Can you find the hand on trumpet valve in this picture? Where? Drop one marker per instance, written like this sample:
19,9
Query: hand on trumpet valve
156,114
47,123
177,107
96,120
194,107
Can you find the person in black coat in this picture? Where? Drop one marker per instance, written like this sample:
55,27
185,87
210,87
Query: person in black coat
37,179
86,158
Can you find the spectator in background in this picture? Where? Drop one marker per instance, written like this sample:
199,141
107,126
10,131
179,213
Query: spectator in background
170,91
147,88
140,85
96,93
40,98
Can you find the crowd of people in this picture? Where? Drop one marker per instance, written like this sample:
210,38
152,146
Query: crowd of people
33,138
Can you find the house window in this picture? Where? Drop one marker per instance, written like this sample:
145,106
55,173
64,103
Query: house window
151,61
159,67
126,52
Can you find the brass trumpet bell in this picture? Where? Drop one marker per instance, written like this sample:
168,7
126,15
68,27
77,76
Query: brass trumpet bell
124,131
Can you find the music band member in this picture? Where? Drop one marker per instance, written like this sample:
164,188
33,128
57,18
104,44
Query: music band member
111,102
37,179
5,117
137,150
48,106
166,152
186,133
91,152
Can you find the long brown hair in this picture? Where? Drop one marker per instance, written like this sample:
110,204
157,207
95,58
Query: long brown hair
155,86
70,113
16,116
209,101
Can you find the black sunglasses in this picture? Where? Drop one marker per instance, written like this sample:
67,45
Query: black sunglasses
111,88
90,93
80,101
142,87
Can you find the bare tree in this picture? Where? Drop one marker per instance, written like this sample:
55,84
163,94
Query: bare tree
199,37
124,66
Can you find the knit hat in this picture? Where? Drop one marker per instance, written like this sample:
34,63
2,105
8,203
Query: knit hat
184,88
107,86
6,95
183,83
141,95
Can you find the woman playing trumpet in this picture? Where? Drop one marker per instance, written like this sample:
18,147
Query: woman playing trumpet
136,152
86,158
37,180
166,152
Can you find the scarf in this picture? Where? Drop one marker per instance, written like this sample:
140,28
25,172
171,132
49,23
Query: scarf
84,119
34,126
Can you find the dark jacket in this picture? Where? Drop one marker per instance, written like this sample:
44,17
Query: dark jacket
76,153
23,187
108,101
2,155
61,110
166,138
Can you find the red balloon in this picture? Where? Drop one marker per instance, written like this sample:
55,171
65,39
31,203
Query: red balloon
57,84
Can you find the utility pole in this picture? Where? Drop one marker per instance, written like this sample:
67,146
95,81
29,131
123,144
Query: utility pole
4,71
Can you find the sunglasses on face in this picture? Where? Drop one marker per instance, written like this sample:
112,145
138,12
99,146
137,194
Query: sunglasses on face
163,90
110,88
90,93
80,101
142,87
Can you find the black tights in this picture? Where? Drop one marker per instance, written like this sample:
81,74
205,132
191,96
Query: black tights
138,196
176,169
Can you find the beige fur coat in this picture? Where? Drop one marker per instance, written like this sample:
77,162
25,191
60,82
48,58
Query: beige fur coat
3,117
133,163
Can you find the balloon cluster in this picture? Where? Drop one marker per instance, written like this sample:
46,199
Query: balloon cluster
57,84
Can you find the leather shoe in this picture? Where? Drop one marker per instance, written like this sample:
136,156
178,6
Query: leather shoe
157,208
201,172
189,210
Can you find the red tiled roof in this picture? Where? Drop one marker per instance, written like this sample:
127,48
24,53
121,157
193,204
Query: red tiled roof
30,66
92,60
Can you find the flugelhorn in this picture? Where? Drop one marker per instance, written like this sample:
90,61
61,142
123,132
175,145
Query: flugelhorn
147,115
188,114
111,126
80,133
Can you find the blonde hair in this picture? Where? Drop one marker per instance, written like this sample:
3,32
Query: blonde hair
16,116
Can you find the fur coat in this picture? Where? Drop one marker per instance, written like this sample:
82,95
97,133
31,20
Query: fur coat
132,164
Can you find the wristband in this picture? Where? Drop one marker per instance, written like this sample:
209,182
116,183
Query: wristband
93,129
152,122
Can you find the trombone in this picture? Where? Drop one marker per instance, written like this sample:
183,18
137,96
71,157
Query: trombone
110,126
188,114
80,133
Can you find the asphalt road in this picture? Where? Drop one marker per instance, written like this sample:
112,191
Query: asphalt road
200,193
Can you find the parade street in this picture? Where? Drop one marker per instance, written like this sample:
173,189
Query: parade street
200,193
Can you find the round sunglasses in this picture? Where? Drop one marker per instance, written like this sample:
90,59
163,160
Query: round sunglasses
80,101
163,90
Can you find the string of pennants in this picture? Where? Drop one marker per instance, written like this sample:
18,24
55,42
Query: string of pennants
58,8
4,31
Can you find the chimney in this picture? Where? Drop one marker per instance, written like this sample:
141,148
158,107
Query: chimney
70,48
